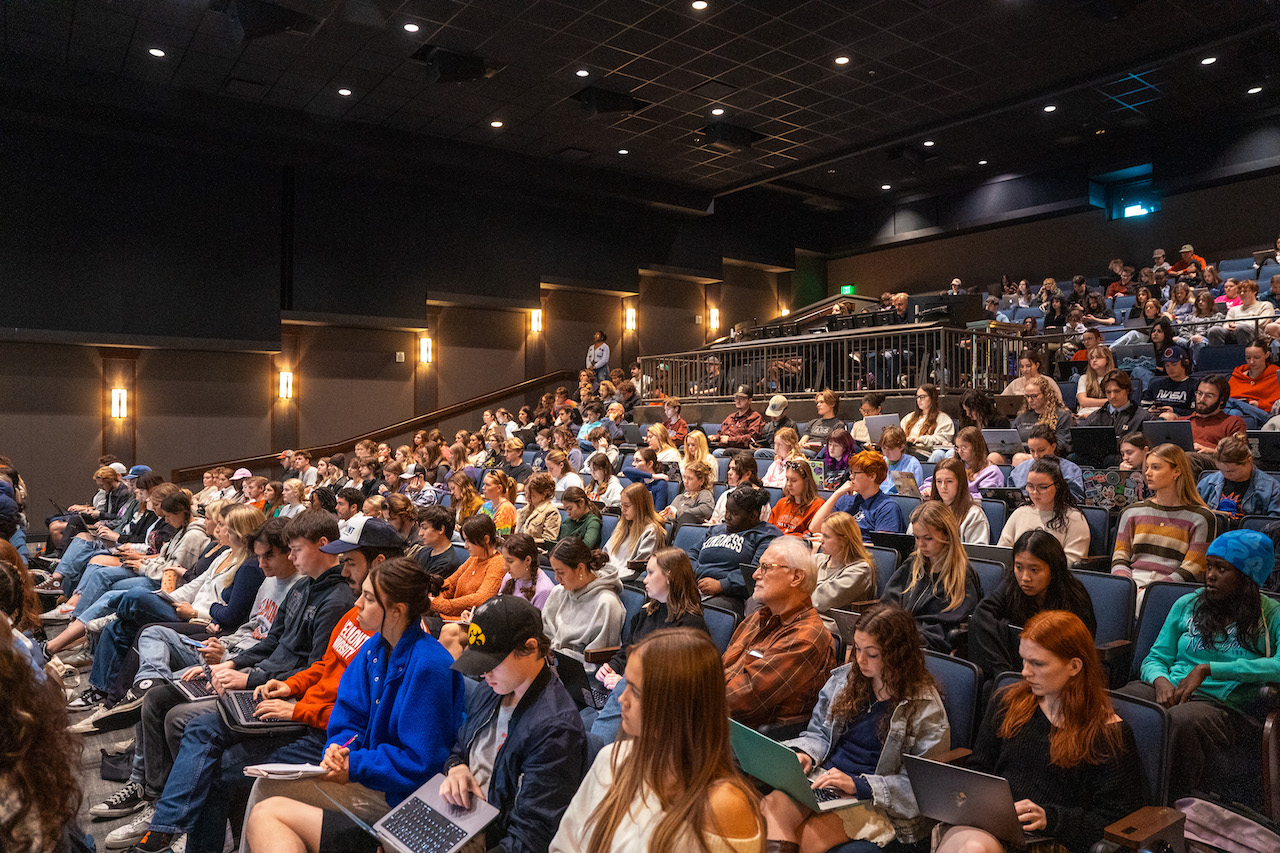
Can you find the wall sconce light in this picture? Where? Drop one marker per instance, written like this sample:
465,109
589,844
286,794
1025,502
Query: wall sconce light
785,311
119,403
630,321
535,320
424,350
286,385
714,321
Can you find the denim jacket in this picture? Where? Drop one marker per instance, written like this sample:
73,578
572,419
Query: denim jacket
917,726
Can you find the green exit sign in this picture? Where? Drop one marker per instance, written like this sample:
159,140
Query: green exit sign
848,289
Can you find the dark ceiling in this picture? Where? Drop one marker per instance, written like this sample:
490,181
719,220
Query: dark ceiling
972,76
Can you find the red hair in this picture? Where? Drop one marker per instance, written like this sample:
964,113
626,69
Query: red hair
1084,733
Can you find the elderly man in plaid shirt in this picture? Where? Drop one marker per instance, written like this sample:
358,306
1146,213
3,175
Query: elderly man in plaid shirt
782,654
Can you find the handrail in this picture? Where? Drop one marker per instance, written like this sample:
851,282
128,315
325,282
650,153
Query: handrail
193,472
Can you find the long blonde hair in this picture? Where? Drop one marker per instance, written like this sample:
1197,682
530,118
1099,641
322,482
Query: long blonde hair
627,533
843,526
949,571
791,439
1092,379
1177,457
663,436
700,453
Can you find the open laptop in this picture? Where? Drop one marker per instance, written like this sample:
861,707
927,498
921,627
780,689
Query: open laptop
1004,441
200,688
1169,432
846,622
906,484
425,822
1265,446
877,423
963,797
1093,444
236,708
775,765
585,690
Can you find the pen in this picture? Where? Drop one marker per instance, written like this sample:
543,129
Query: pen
348,743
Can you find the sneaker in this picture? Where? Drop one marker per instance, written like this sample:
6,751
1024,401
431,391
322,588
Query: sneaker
124,802
95,626
124,837
179,845
120,747
79,657
49,585
155,842
129,707
90,723
61,613
87,701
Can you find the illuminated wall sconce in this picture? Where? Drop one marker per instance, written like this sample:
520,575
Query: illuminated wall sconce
714,321
535,320
785,311
630,321
424,350
119,403
286,385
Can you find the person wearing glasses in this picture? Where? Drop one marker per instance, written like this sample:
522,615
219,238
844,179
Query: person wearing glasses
1052,508
1044,408
928,427
862,498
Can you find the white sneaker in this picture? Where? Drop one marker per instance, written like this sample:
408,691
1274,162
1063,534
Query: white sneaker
95,626
79,658
179,844
131,833
90,723
61,613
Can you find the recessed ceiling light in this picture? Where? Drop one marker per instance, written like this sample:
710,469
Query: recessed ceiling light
156,52
346,93
718,111
411,27
1100,131
1049,108
831,171
1255,90
982,162
699,4
625,151
495,123
885,187
928,143
1209,60
842,60
582,72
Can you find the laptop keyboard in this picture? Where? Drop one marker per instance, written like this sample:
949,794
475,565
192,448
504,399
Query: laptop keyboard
200,689
826,795
422,829
246,703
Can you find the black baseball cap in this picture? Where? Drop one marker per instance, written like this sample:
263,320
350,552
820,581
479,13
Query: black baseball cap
501,625
363,531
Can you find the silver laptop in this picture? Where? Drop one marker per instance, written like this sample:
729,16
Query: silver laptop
1004,441
425,822
776,766
877,423
198,688
963,797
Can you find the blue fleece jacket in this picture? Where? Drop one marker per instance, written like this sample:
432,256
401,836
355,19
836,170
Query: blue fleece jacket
404,707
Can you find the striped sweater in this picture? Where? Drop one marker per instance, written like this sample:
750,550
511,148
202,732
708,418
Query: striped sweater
1162,543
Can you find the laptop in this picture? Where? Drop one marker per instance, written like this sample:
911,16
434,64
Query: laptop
877,423
1003,441
585,690
236,708
1266,447
777,766
1008,495
905,482
963,797
819,469
425,822
1093,444
200,688
846,621
1169,432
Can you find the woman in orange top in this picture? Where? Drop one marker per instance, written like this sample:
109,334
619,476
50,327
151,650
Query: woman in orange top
479,578
499,492
799,502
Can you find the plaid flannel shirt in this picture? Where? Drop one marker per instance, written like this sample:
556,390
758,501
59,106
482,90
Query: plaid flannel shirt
775,665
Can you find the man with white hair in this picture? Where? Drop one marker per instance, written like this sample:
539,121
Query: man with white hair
781,655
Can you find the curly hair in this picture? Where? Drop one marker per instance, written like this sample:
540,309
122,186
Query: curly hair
904,673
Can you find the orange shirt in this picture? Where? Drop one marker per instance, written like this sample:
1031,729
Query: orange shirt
1261,392
316,687
791,519
475,582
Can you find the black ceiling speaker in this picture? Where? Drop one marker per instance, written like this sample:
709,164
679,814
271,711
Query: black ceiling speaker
726,138
596,100
448,66
259,18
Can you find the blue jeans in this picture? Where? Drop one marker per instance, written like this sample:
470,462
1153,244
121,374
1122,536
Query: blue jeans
940,454
137,608
161,653
1254,417
604,730
98,579
75,560
765,453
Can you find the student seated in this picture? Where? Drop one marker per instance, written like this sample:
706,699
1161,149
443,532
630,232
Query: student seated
935,584
1042,407
523,578
794,512
1052,508
677,754
1121,414
928,426
781,654
862,498
479,578
539,518
835,457
1072,764
1217,647
741,539
603,487
872,402
583,611
464,499
499,493
584,518
1039,580
786,447
893,446
644,470
868,715
845,570
1042,443
948,489
1238,488
979,472
695,504
638,533
741,471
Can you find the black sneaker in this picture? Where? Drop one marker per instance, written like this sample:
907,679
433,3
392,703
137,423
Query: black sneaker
87,701
128,709
154,842
126,801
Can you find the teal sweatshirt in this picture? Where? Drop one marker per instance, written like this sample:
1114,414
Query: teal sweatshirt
1234,672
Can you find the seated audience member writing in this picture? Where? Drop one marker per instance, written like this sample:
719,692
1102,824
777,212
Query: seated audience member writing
1174,394
671,785
1039,580
638,533
872,402
603,487
675,426
539,518
583,611
1238,488
868,714
695,504
948,489
1254,385
862,498
1028,372
775,419
398,708
781,654
928,426
1216,649
522,747
1244,321
935,584
1042,408
845,571
1042,443
786,447
742,471
718,561
742,427
435,531
1121,413
480,577
1072,764
893,446
644,470
523,578
979,473
793,513
1164,537
1209,422
1052,509
827,422
583,520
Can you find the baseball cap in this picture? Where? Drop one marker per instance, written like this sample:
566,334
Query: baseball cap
743,391
1174,353
777,405
501,625
284,453
1250,551
1186,247
241,473
137,471
363,531
412,470
119,468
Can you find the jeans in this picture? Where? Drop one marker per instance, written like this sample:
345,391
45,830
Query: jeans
75,560
97,580
941,453
137,608
1243,334
165,714
604,730
1132,338
161,653
1254,417
765,453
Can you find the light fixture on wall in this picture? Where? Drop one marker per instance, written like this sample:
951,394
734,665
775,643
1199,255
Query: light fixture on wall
286,385
785,311
424,350
119,403
630,320
713,320
535,320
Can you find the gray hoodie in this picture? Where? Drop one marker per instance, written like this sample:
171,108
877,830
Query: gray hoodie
589,618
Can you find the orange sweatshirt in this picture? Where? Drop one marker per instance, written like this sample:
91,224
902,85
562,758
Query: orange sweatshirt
474,583
1261,392
316,687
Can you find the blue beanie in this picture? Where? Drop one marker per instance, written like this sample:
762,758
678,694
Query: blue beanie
1249,551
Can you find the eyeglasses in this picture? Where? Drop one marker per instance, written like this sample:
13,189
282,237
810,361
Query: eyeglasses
1037,489
853,472
764,568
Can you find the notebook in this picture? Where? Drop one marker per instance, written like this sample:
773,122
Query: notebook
424,822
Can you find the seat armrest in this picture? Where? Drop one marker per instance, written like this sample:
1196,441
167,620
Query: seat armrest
1113,650
958,756
785,728
600,655
1149,828
1099,564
